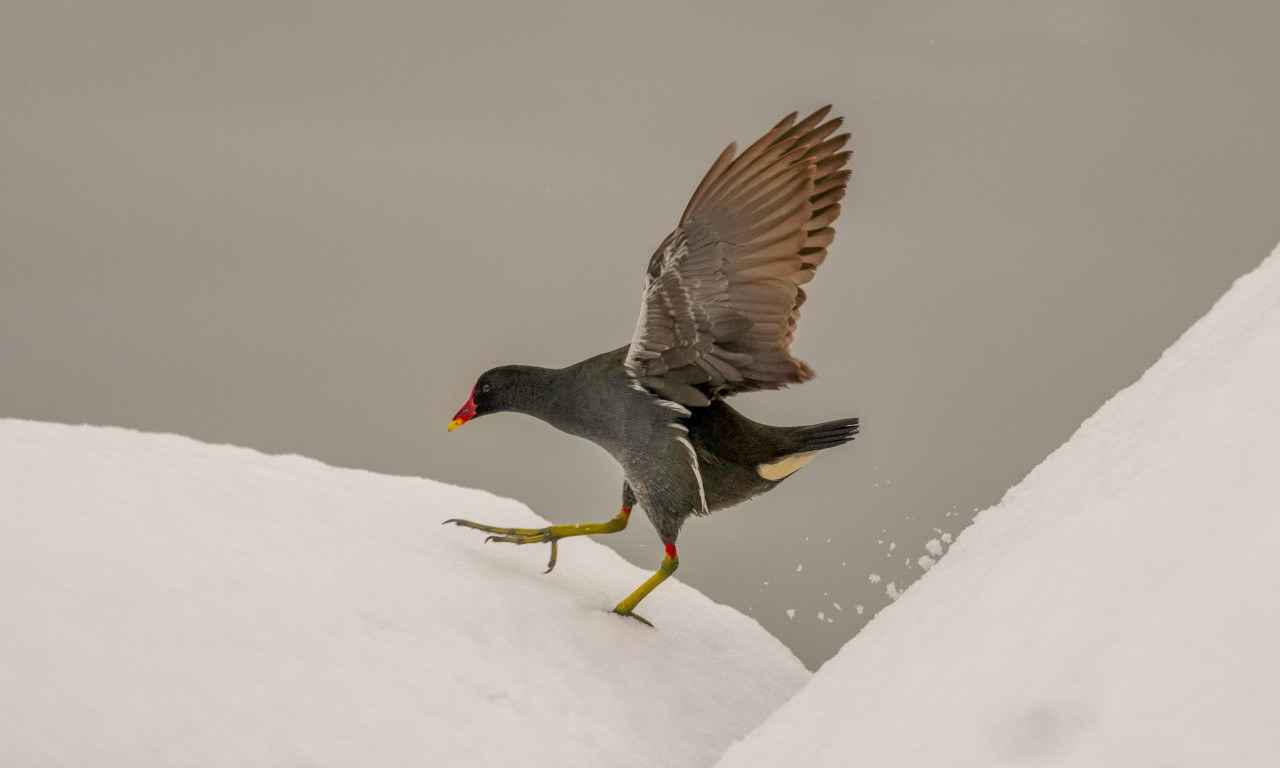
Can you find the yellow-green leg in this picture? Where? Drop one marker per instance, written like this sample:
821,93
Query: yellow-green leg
551,533
669,565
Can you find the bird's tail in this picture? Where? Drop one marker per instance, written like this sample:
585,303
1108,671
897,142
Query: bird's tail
827,435
806,442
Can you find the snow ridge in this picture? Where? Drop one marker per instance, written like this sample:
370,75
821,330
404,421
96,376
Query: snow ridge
1117,608
165,602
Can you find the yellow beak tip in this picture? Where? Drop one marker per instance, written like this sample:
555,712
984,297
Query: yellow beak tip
455,424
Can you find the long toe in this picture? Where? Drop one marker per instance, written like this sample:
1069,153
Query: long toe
552,562
515,536
536,537
495,529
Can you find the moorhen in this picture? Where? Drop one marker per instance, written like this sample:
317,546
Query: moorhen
718,312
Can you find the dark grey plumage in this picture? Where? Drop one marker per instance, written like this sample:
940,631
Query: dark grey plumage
718,313
656,441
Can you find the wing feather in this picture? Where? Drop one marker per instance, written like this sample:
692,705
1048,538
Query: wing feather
722,295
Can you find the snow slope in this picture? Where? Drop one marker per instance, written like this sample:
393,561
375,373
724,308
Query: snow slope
165,602
1119,607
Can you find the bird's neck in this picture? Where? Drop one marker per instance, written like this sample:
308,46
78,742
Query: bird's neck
556,396
540,392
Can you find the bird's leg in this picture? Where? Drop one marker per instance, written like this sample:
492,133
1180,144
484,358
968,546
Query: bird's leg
551,533
669,565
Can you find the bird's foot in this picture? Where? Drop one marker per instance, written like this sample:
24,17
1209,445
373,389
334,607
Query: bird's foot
551,533
515,536
635,616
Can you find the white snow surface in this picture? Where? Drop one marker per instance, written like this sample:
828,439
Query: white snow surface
1119,607
166,602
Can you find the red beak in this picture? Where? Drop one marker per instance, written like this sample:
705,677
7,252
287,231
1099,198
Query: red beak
465,413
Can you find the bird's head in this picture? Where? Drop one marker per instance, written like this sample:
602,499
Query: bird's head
493,392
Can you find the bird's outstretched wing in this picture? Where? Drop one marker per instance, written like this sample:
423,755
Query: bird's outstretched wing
723,290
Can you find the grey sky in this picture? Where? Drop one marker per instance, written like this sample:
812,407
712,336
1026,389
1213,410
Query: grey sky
306,227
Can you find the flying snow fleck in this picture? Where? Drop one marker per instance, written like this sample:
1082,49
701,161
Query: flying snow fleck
859,609
837,606
822,616
800,568
946,538
892,591
791,613
926,562
874,578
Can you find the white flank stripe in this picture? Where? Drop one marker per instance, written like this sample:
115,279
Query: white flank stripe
693,460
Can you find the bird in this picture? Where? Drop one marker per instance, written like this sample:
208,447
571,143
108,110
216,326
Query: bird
718,312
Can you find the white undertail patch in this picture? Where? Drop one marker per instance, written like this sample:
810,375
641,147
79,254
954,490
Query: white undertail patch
776,470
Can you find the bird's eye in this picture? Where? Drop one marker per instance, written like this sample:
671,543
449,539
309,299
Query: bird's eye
485,387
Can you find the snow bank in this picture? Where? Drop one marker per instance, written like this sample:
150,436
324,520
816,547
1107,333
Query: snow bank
1120,606
165,602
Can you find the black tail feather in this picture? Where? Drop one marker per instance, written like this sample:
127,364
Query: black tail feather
828,435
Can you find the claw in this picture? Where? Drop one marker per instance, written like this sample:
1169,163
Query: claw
635,616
